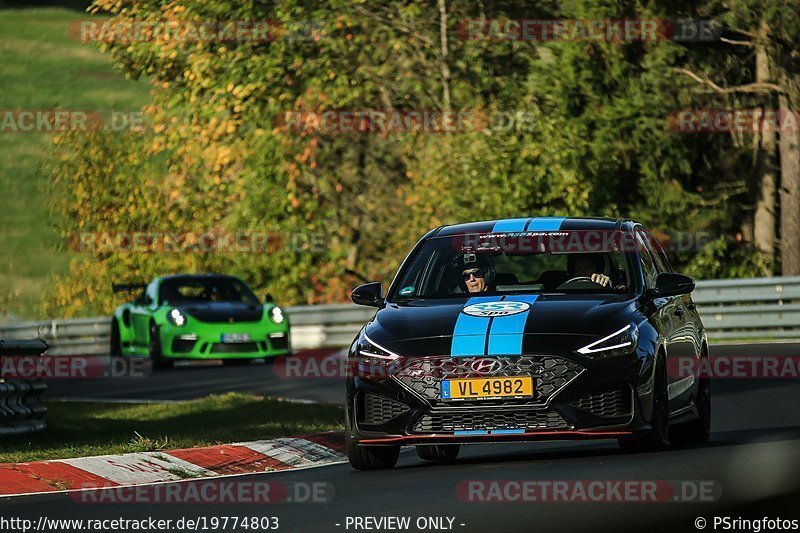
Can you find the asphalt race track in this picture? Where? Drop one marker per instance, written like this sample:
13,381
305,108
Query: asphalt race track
753,459
197,379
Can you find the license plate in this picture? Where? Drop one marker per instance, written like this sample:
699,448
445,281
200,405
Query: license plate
487,388
235,337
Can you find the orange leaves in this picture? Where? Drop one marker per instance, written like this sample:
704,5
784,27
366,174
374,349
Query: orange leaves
305,155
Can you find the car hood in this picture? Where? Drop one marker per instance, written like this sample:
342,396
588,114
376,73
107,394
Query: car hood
230,312
550,322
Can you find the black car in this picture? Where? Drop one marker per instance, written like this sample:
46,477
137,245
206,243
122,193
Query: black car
526,329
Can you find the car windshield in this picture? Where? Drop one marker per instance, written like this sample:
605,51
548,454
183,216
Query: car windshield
196,290
563,262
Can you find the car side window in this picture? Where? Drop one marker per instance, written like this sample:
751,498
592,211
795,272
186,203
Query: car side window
656,252
648,265
151,294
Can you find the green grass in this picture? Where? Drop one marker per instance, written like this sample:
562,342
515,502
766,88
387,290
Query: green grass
42,67
76,429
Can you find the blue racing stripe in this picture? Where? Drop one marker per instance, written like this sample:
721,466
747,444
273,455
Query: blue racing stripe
508,431
545,224
472,432
469,335
507,332
510,224
529,298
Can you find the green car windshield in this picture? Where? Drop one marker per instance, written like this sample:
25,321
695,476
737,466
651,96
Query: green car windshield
510,264
176,291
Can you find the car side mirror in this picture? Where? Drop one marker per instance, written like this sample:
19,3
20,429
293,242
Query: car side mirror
672,284
268,299
368,294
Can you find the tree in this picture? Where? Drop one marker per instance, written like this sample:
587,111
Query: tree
769,29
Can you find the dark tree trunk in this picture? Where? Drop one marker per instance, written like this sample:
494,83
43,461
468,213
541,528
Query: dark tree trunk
790,196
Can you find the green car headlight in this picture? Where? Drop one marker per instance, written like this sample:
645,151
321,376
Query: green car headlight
276,315
176,318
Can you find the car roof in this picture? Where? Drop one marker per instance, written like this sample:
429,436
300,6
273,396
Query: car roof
195,276
513,225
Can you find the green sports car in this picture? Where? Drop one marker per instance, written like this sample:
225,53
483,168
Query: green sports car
198,316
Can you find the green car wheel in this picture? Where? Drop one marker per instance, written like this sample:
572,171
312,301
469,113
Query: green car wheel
154,348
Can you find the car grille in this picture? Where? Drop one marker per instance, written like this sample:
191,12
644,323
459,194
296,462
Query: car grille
550,374
487,420
239,347
279,343
380,409
183,345
611,403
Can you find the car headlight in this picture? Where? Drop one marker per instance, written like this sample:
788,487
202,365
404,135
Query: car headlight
276,315
176,318
620,342
368,349
373,361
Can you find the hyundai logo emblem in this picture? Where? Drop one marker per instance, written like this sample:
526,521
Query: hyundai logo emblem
486,366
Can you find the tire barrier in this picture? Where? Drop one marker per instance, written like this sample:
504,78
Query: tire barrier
21,407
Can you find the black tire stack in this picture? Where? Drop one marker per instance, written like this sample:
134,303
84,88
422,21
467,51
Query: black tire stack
21,407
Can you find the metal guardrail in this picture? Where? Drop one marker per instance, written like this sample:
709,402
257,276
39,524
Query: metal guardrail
758,308
80,336
315,326
767,308
312,327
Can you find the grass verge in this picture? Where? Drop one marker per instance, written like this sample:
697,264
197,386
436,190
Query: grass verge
43,66
82,429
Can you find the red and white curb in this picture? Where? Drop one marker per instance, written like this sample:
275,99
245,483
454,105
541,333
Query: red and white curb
105,471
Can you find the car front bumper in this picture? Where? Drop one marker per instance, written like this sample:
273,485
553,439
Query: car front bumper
574,398
207,342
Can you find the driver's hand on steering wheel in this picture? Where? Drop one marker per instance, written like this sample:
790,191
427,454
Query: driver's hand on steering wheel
601,279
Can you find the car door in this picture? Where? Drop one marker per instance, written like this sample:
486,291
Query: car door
681,345
691,342
666,313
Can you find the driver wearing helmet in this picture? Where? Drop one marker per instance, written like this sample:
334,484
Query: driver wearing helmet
474,270
590,266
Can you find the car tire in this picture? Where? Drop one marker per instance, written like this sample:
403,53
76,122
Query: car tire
656,438
438,452
371,457
115,346
696,431
154,348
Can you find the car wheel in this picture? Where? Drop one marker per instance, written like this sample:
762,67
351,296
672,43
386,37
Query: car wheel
438,452
154,348
115,346
371,457
696,431
657,438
